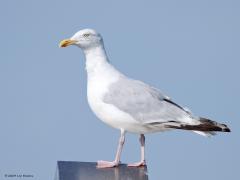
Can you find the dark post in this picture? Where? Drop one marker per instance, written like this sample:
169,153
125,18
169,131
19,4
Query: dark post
67,170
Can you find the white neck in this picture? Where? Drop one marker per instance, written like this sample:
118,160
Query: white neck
95,57
98,66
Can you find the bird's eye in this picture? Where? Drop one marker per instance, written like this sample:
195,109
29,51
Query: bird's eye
86,35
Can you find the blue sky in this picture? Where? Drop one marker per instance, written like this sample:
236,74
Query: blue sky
188,49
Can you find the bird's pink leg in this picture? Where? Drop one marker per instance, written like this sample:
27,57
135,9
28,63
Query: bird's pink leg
143,161
109,164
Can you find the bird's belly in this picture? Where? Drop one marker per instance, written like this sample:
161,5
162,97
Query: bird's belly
118,119
110,114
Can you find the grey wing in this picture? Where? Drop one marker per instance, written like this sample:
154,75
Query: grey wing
143,102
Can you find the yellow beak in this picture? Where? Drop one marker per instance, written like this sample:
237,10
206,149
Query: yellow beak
66,42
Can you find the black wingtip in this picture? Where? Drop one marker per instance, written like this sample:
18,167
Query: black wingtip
226,130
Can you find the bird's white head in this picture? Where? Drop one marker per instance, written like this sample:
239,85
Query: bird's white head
85,39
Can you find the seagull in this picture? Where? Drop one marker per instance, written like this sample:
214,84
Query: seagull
131,105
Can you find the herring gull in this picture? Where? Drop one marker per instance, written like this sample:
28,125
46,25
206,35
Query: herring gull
130,105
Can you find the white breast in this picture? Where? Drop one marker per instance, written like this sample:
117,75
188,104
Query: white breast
99,79
101,74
